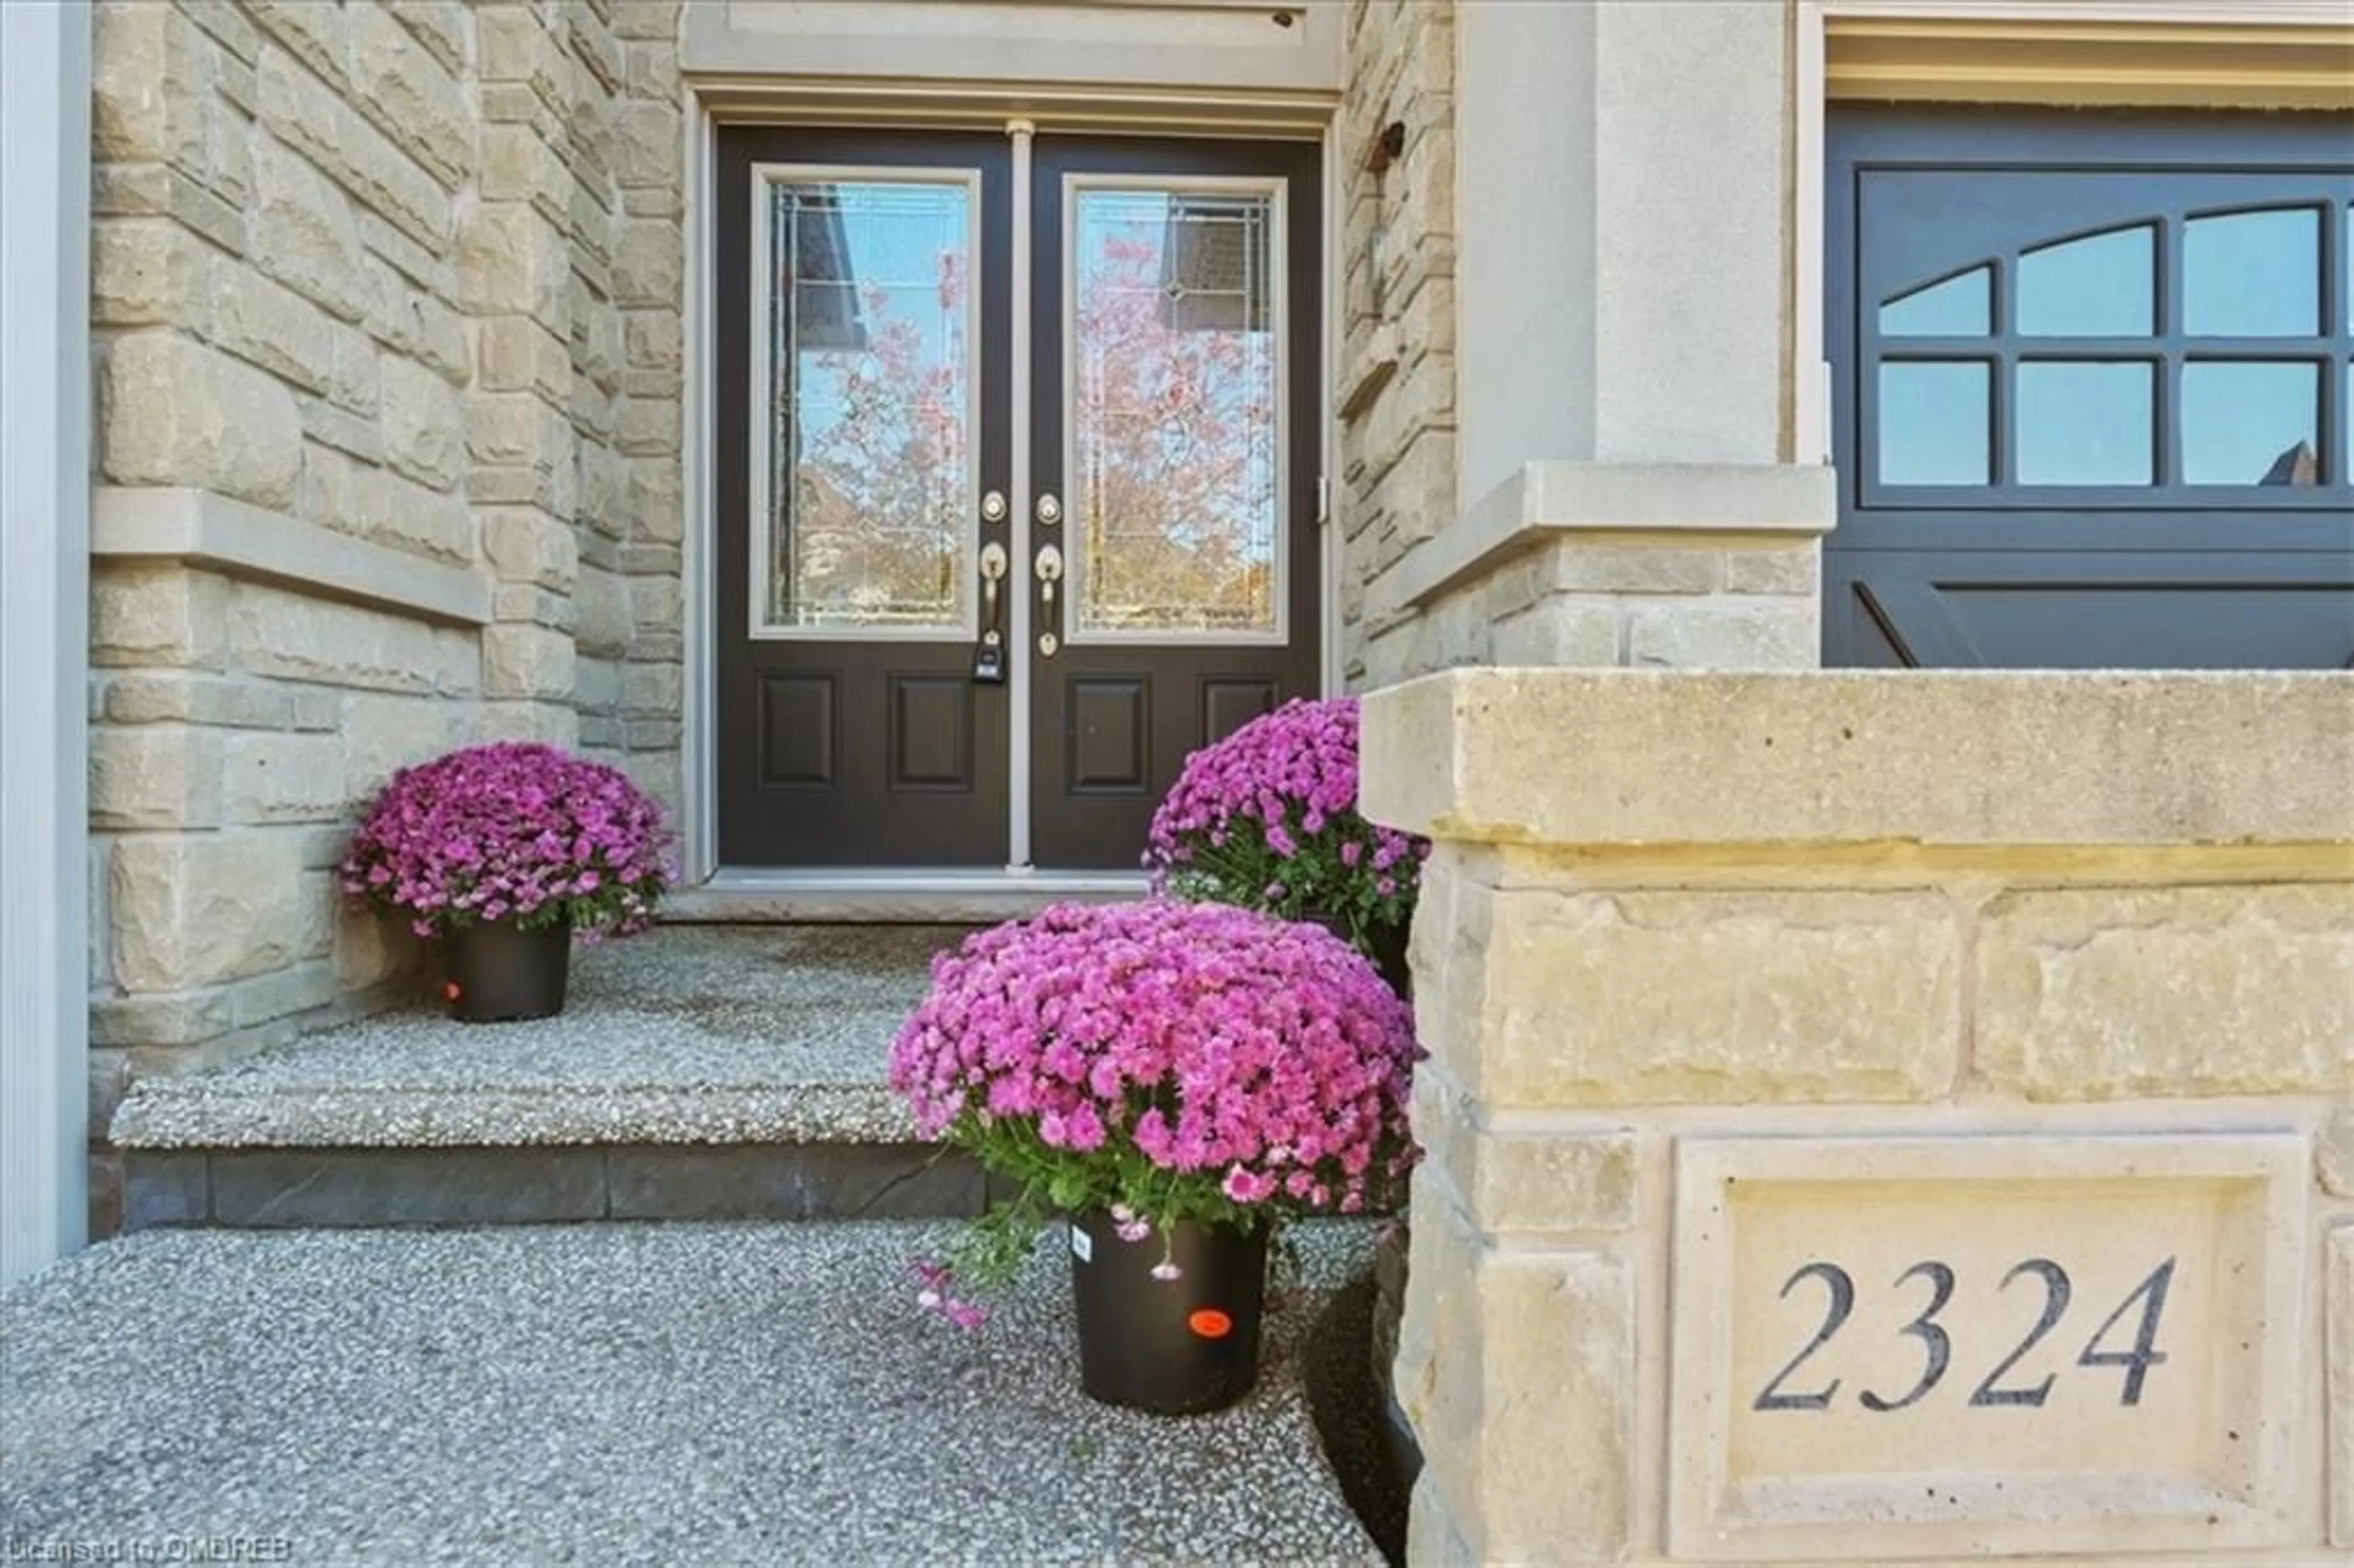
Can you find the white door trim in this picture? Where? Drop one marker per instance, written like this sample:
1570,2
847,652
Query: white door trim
709,104
45,436
1020,500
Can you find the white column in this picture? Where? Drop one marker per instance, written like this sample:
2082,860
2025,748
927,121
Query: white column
44,419
1624,175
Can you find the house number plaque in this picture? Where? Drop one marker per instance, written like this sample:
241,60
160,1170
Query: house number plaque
1983,1345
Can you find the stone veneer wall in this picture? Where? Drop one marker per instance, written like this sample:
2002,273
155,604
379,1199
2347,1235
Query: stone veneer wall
1837,920
1397,484
387,296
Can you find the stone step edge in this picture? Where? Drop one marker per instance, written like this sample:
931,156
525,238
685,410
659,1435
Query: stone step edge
198,1113
369,1187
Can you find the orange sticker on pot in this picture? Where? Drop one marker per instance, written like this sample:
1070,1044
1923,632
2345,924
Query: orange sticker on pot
452,992
1211,1323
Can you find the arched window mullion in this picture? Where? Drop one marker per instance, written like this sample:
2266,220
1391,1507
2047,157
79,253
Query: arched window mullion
2166,400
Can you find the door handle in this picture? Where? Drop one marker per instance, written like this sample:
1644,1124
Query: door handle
1048,565
989,659
993,571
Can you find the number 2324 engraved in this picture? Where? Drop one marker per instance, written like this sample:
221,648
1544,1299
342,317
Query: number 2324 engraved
1937,1346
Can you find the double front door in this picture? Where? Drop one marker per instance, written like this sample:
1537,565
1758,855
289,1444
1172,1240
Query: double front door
1017,485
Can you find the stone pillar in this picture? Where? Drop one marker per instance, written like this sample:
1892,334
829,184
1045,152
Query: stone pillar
1798,1041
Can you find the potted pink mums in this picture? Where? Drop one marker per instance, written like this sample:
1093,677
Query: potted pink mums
1266,819
1177,1079
503,852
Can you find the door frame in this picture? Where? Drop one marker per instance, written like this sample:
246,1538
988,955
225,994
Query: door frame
1018,112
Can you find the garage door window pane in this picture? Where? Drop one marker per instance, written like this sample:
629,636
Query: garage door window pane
2252,274
1933,421
2082,422
1958,307
2251,423
2104,285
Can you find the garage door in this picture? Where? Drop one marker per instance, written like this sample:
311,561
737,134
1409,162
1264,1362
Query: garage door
2092,390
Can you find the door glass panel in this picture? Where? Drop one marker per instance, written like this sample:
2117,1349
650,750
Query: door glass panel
870,478
2104,285
1961,306
2082,422
2252,274
1175,417
2247,423
1934,422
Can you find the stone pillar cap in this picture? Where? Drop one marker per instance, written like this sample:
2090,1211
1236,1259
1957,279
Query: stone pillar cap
1966,759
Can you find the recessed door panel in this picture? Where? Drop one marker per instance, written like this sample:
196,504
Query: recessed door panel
1228,704
798,717
1110,736
931,732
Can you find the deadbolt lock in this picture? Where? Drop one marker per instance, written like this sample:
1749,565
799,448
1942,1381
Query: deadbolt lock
1050,511
992,507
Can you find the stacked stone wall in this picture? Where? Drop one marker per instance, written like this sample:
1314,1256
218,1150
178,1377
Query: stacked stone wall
1398,376
385,300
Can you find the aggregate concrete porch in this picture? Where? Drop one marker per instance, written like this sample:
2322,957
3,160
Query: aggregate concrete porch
699,1071
660,1393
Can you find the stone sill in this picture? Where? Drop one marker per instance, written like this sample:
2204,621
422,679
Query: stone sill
1976,760
1698,504
215,533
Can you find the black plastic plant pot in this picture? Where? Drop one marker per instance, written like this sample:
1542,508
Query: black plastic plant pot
1388,943
1388,954
497,974
1173,1347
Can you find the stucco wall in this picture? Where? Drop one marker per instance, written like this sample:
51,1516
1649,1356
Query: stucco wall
387,304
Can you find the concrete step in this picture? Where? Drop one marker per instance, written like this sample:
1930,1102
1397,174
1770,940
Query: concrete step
660,1393
699,1071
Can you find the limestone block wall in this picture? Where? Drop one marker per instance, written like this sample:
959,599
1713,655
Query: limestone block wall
386,299
1864,1007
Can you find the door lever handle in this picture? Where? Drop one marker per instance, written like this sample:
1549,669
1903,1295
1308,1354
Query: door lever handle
1048,565
989,662
992,569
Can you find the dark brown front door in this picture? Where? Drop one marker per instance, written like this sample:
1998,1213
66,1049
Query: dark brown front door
1175,423
928,655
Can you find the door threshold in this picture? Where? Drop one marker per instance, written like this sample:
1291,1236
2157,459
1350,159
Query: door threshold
947,895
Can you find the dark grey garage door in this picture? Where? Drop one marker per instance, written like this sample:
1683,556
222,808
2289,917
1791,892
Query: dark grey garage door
2092,389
